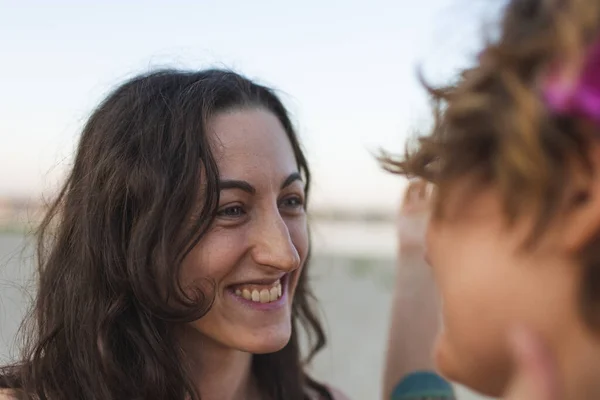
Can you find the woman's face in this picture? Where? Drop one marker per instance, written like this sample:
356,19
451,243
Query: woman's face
256,247
490,284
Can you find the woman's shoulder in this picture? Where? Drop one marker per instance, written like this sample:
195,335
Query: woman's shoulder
334,394
337,394
7,394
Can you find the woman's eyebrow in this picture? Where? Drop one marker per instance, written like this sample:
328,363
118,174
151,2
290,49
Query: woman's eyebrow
247,187
236,184
290,179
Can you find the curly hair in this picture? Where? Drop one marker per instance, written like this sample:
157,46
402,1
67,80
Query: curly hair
493,125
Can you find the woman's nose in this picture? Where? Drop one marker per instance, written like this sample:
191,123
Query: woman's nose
273,246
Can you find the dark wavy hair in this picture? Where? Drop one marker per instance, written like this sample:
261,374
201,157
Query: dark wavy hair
142,192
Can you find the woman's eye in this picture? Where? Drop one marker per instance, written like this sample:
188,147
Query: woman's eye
231,212
292,202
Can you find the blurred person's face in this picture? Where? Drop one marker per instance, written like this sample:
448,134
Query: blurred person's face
258,243
490,283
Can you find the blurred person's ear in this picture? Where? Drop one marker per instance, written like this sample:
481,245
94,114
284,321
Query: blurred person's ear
581,222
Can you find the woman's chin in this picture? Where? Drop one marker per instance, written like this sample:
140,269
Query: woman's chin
248,338
267,344
482,377
267,339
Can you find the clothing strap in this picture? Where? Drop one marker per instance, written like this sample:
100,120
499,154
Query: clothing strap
423,385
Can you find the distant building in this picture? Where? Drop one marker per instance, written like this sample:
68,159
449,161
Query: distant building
18,213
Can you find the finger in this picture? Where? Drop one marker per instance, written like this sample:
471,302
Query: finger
535,376
422,190
430,190
412,191
409,197
406,196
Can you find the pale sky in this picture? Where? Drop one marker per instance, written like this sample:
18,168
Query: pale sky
346,70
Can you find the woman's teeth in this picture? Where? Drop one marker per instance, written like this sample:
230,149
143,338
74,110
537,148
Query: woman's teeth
261,295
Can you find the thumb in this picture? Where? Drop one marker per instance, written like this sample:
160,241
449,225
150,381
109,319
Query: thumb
535,375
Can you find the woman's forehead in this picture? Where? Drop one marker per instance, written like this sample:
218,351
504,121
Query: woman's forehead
249,135
250,141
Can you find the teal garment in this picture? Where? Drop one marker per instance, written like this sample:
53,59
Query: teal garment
423,385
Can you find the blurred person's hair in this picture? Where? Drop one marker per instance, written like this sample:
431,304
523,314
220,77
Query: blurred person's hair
142,192
494,126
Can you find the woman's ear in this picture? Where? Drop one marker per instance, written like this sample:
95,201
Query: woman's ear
582,220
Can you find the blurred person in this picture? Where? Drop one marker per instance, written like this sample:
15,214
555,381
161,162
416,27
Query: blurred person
173,264
513,240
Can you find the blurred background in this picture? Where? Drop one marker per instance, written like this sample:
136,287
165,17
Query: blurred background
347,70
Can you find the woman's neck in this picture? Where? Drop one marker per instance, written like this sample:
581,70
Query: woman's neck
219,373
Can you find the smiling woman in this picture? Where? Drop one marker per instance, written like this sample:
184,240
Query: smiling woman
173,263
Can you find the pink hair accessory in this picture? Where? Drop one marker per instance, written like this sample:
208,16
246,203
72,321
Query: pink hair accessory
578,94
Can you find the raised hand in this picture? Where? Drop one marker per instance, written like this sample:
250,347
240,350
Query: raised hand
536,377
415,320
413,217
